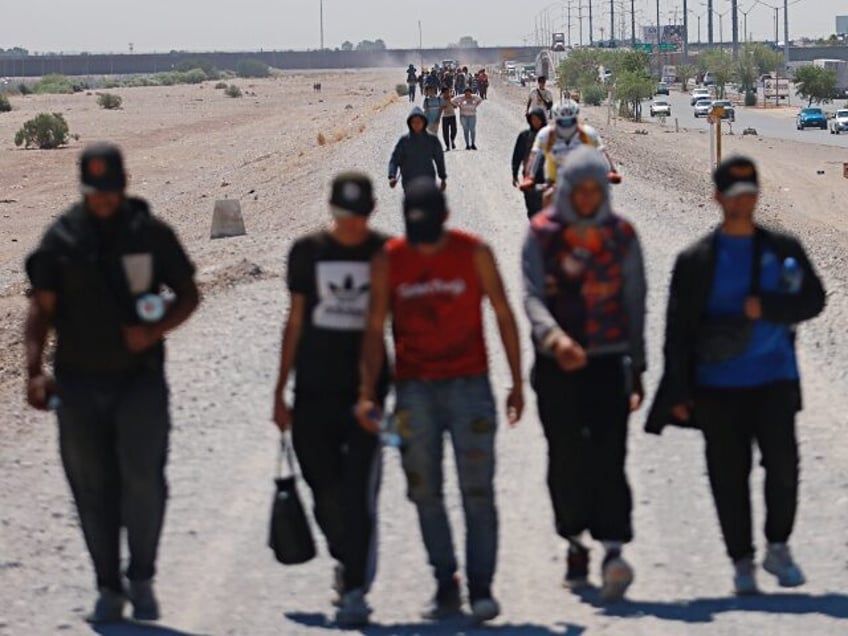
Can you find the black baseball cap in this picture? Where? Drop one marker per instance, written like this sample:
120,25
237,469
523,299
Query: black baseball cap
424,212
736,176
102,169
352,195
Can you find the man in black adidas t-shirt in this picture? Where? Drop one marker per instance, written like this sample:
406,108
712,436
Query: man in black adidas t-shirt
329,282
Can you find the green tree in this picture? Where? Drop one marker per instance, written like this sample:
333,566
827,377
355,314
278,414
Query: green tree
815,84
467,42
631,89
347,45
747,69
253,68
685,72
720,63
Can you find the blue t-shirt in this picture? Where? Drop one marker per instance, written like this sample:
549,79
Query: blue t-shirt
771,354
433,109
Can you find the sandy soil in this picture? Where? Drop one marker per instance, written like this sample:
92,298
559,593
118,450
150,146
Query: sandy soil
216,575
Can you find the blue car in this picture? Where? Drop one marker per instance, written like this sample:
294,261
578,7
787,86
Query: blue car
811,118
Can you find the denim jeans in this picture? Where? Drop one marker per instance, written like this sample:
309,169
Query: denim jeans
113,437
464,408
469,129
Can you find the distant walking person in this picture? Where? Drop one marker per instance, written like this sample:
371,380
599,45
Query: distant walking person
467,105
417,154
483,83
731,368
96,278
329,283
411,81
541,97
433,107
449,128
585,298
522,175
433,283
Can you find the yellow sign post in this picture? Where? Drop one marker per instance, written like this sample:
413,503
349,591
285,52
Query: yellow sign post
718,114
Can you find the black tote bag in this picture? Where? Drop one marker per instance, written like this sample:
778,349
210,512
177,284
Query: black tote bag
290,535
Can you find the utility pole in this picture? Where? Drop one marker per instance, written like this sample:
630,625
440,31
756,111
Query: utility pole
632,24
685,32
591,28
659,41
321,4
710,21
734,11
612,20
786,33
580,22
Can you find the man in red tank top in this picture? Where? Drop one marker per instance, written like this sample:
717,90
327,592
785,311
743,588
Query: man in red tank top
433,283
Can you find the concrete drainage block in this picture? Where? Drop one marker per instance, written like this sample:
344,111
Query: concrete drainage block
227,219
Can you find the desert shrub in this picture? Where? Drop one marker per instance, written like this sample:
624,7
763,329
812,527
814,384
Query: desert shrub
111,82
192,63
402,89
108,101
54,84
594,94
45,131
24,89
232,91
220,86
194,76
5,106
80,86
253,68
750,98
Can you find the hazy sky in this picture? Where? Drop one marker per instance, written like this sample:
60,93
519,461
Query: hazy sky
160,25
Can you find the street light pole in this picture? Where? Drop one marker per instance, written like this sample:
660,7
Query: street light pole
591,28
734,10
632,24
612,20
710,21
321,2
786,33
685,32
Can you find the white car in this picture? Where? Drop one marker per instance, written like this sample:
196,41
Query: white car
702,107
839,124
698,94
660,107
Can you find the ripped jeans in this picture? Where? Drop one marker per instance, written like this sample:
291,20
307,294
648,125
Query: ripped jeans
464,408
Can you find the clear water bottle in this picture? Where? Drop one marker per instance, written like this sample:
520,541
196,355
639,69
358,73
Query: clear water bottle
791,276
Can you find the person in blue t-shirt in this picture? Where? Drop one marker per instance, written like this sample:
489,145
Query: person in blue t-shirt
433,107
731,368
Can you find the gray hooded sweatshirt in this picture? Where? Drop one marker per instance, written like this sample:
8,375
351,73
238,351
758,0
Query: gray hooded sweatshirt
417,154
585,276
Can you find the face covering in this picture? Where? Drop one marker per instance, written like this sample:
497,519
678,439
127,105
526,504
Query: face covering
566,127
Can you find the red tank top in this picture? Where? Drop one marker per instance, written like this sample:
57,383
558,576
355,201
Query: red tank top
436,302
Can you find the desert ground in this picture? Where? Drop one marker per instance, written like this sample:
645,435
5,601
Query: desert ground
188,146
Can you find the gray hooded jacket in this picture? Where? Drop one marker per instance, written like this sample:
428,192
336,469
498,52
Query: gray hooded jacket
417,154
557,296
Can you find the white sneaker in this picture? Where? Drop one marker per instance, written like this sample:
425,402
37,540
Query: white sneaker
779,562
485,609
744,578
617,577
353,610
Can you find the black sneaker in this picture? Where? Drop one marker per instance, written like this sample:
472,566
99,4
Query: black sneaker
446,603
473,146
577,572
448,149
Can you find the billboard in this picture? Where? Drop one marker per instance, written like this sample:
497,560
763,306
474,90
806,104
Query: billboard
776,88
669,34
842,25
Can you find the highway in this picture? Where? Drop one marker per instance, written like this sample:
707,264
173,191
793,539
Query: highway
773,123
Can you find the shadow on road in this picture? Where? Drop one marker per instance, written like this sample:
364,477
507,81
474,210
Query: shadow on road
138,629
461,626
704,610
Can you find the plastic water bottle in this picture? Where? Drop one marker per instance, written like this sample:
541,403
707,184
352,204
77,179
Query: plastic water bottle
791,276
389,435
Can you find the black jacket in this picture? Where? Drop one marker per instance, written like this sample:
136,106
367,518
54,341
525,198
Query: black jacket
691,286
417,155
524,143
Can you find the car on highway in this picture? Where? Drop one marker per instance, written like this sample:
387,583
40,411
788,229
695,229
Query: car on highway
839,124
811,118
703,106
662,89
660,106
699,94
729,110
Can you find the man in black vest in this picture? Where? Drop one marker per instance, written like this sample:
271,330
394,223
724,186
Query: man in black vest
112,280
731,368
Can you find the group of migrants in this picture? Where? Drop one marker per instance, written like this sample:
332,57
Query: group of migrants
731,369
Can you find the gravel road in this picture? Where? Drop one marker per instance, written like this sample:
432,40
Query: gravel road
217,577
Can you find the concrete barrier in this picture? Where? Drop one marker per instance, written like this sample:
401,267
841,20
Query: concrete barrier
227,220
